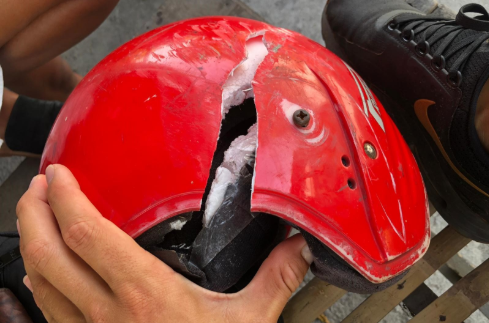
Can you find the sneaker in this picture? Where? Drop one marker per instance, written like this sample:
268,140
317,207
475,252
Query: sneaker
429,72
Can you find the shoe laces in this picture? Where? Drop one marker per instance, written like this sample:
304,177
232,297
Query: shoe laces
434,29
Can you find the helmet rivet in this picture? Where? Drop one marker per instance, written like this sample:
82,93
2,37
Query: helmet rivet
302,118
370,150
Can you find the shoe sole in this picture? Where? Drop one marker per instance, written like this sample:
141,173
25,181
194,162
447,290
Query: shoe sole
432,164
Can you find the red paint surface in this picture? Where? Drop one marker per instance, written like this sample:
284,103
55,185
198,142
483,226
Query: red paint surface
140,130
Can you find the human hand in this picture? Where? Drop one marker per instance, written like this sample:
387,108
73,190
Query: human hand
83,268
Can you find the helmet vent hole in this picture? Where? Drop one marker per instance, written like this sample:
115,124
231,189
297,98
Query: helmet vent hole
345,161
352,184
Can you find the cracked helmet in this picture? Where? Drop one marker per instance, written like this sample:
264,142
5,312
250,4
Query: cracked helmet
206,139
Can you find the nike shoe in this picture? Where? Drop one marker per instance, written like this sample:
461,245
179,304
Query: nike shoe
429,72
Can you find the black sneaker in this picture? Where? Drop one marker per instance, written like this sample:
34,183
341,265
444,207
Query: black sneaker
12,273
428,71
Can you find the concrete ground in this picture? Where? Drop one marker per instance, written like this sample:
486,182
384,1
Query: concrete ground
134,17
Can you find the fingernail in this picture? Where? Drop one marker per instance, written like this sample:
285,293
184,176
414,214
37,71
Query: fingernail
49,173
307,254
32,180
18,227
27,283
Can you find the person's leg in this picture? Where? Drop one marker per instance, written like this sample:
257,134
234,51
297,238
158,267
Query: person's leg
9,99
52,81
32,36
48,34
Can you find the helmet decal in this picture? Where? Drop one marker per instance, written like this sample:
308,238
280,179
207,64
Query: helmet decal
369,104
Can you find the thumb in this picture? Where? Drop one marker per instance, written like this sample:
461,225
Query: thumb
279,276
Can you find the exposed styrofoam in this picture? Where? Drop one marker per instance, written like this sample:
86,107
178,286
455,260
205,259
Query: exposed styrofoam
178,224
237,88
239,152
238,85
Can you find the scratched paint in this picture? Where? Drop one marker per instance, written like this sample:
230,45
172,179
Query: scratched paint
167,85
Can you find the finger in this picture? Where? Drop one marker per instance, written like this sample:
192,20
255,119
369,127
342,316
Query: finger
107,249
53,304
278,277
45,252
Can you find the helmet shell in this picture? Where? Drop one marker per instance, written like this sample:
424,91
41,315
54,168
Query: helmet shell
140,130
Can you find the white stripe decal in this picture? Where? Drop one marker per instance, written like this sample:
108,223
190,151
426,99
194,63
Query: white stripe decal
369,104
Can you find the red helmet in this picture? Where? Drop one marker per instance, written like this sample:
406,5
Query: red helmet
150,134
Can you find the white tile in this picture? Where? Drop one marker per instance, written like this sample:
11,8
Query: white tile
438,283
477,317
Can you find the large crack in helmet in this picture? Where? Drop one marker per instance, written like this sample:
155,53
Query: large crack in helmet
206,140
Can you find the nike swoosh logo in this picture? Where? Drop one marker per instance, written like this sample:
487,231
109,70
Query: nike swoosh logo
421,110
